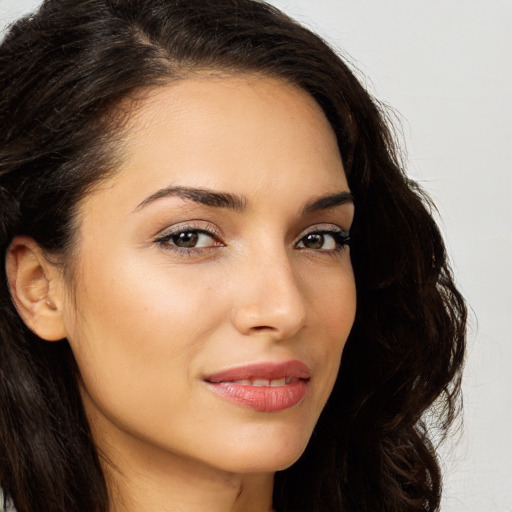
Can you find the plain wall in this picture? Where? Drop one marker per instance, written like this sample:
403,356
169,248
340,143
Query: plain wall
445,68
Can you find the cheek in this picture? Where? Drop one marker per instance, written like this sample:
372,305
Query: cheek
332,302
154,297
138,322
137,338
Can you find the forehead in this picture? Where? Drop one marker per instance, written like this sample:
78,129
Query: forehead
248,135
236,119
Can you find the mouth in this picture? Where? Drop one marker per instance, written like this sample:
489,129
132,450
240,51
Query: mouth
263,387
260,383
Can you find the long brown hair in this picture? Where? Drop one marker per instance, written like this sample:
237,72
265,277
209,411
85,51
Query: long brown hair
63,71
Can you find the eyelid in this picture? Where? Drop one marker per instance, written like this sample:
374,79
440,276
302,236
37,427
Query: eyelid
323,228
211,230
331,229
196,226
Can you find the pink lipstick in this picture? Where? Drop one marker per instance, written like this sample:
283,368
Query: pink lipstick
264,387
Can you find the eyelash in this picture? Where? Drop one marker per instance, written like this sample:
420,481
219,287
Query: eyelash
165,239
341,238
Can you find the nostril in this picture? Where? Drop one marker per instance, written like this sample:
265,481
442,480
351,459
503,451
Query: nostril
263,328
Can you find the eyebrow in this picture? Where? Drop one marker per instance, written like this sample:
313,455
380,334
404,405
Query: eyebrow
327,202
199,195
239,203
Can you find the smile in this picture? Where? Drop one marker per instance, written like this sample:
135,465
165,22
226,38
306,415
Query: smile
264,387
263,382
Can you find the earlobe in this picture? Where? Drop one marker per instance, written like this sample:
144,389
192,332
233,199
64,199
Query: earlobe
36,288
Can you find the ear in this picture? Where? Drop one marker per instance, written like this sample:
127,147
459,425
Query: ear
36,286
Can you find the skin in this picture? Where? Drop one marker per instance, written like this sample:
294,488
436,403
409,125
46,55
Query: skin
147,321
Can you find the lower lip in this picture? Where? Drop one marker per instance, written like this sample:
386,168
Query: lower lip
264,398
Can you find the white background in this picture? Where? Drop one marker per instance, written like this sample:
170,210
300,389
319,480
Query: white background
445,66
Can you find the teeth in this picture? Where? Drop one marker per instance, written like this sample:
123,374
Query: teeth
260,382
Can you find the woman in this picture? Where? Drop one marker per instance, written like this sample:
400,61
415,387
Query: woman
178,183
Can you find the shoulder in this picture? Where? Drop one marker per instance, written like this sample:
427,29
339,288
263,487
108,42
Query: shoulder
8,506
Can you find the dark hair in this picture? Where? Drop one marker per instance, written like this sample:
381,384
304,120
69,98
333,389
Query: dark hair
63,72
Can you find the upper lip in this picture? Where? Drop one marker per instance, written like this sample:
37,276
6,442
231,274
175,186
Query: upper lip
265,370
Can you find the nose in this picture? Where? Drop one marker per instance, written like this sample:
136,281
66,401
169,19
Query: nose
268,298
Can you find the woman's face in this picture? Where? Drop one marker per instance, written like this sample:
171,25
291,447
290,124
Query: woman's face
213,290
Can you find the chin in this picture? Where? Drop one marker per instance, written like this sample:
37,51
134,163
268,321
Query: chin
274,454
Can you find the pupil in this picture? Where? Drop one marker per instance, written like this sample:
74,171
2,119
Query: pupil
188,239
314,241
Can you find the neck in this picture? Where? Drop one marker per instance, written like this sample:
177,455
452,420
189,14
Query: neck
168,483
195,493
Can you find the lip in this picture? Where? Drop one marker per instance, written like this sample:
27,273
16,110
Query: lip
263,398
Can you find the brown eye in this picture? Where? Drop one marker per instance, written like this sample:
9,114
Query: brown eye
324,240
186,239
313,241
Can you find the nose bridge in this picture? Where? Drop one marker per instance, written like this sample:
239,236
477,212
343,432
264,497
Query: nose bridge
269,295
